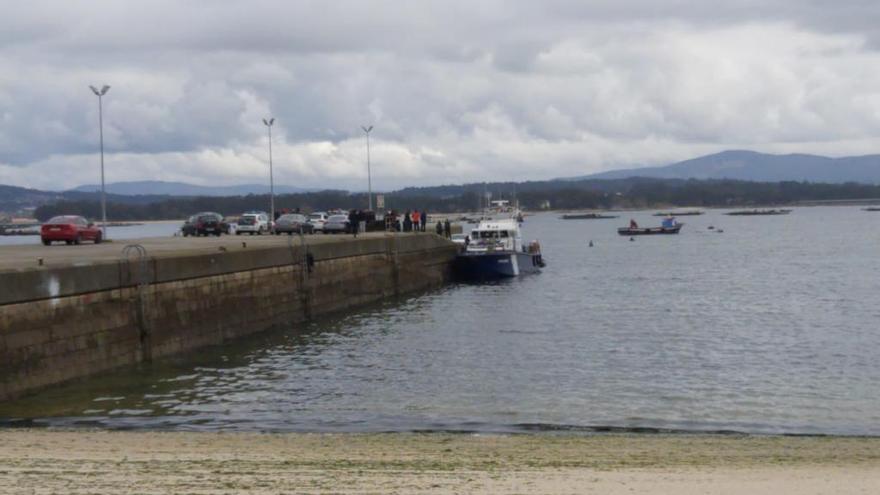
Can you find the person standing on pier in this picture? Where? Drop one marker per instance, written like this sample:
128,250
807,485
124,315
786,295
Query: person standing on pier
407,223
439,227
415,220
353,219
447,229
424,217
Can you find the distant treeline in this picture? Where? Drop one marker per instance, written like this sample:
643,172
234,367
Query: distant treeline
586,194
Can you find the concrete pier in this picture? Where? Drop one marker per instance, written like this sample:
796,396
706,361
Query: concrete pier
71,311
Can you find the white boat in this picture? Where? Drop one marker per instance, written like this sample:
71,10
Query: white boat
495,250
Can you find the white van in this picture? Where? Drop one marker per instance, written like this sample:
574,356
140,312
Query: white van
253,223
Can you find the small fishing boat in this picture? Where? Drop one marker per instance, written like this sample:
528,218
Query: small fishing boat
758,212
871,208
649,230
586,216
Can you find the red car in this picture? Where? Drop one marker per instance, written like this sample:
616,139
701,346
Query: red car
71,229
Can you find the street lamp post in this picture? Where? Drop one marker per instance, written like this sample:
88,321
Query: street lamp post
367,130
100,94
271,176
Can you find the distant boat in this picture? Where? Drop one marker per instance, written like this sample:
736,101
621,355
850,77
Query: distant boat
758,212
872,208
684,213
649,230
586,216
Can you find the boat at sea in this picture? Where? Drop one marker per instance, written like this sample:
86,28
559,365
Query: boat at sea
649,230
495,250
872,208
669,226
758,212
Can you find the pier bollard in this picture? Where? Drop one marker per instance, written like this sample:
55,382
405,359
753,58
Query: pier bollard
39,261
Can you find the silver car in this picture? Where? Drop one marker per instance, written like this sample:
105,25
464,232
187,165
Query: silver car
336,224
293,223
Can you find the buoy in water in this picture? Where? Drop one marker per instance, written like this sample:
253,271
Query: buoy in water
591,243
632,239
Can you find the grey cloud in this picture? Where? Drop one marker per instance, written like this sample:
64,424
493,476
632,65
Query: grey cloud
457,90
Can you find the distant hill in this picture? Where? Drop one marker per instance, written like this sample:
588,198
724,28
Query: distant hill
14,199
158,187
760,167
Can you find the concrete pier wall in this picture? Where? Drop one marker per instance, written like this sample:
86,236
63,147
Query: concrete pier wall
67,322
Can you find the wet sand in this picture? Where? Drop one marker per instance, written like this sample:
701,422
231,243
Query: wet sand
43,461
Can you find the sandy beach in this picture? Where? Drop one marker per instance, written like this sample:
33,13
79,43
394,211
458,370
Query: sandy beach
79,462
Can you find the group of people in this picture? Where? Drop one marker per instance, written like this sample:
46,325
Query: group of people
414,221
410,221
444,228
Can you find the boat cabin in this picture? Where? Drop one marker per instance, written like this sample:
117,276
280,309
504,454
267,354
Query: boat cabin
497,235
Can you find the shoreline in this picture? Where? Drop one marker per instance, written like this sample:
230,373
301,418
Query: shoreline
77,461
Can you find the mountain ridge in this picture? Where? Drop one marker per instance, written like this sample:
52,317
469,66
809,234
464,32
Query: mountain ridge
759,167
172,188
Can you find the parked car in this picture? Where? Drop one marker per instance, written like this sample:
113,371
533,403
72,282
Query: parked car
293,223
318,219
71,229
336,224
204,223
253,223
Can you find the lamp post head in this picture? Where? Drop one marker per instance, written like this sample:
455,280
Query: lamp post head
100,92
269,122
367,129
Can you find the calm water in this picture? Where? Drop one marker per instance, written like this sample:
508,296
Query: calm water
771,326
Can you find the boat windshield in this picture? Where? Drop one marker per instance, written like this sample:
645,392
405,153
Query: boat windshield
491,234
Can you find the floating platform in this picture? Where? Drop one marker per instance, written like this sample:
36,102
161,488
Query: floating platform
650,230
758,212
586,216
678,213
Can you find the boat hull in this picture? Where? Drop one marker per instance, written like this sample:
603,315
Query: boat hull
483,266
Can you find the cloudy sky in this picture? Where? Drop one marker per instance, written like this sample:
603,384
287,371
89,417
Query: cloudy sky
458,91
